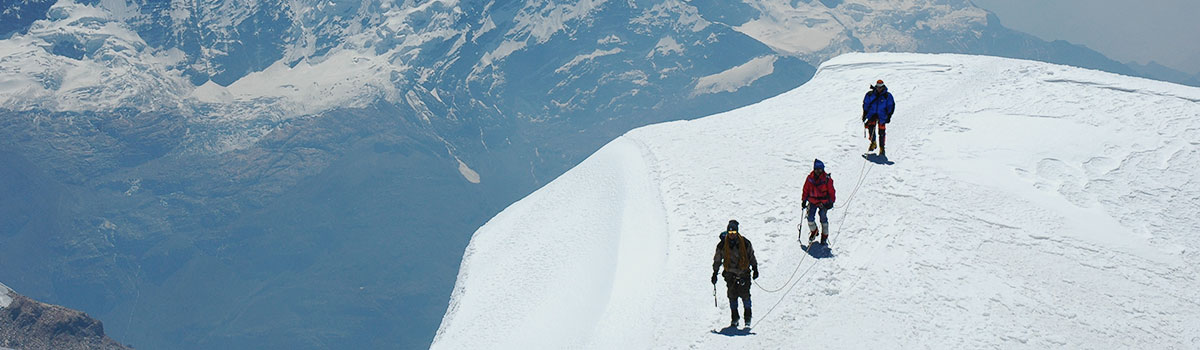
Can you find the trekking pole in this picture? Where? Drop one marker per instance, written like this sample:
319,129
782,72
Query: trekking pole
715,296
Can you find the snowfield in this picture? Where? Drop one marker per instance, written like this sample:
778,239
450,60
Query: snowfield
1028,205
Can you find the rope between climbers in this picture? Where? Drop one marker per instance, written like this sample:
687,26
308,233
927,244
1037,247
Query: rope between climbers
863,172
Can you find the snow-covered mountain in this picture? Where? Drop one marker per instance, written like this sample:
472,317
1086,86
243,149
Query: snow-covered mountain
1026,204
305,57
81,58
165,154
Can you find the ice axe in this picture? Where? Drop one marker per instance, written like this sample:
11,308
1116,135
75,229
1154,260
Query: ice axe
715,296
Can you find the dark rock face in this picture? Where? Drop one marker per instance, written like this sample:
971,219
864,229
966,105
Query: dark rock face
31,325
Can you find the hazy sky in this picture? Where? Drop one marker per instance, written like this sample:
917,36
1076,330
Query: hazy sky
1165,31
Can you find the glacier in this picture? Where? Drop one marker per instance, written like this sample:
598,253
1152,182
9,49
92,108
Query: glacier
1026,205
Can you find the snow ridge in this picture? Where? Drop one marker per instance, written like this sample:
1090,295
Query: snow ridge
565,283
1023,207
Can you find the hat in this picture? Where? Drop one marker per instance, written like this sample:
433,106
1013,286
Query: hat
817,164
733,224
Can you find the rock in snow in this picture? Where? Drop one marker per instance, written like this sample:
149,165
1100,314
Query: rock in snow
31,325
1027,204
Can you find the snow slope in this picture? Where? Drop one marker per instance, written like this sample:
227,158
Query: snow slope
82,58
1029,204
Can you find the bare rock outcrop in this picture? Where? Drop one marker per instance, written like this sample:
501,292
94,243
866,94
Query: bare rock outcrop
28,324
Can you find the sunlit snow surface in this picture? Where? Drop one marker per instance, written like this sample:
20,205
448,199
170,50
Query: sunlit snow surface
1029,204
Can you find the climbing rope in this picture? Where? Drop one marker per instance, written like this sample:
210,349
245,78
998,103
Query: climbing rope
862,172
789,280
862,176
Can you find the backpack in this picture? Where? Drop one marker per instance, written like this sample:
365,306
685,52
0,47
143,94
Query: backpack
742,259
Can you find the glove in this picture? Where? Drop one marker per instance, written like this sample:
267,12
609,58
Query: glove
828,205
714,278
755,274
804,205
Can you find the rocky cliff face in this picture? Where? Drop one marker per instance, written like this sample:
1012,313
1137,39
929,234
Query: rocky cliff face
27,324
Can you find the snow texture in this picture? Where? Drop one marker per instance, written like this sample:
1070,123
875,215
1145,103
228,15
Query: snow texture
586,57
666,46
5,298
80,58
736,77
815,31
1026,205
342,80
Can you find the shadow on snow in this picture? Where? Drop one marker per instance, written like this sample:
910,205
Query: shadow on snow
878,159
732,331
818,251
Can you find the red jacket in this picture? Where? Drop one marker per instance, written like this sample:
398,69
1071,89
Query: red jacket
818,189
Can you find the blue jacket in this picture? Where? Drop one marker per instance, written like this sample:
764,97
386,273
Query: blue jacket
879,105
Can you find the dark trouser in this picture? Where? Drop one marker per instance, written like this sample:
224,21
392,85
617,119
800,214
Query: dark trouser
872,124
817,208
738,290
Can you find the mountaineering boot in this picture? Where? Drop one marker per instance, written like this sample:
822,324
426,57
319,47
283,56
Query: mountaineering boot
872,148
747,318
734,322
824,232
813,235
881,152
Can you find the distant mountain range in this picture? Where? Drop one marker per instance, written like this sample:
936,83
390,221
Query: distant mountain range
1156,71
306,174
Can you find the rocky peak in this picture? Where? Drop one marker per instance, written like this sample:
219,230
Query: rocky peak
28,324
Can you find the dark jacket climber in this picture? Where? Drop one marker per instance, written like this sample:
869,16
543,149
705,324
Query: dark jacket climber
736,254
878,107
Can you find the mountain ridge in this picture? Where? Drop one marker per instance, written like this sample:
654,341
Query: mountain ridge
1038,200
233,151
